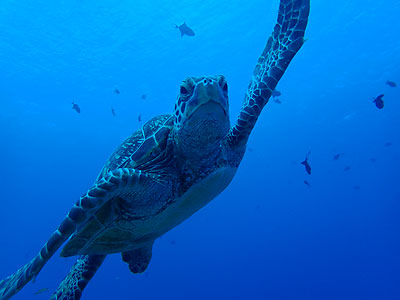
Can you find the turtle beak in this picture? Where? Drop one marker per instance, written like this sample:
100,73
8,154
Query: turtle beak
209,96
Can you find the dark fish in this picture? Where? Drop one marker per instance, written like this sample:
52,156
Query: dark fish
276,93
337,156
76,107
347,168
356,187
113,111
388,144
185,30
173,242
307,183
41,291
250,149
391,83
306,164
139,118
379,101
117,91
278,101
143,97
372,159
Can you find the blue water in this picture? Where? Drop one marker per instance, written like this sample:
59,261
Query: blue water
268,235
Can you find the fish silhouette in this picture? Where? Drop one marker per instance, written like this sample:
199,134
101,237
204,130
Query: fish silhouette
185,30
337,156
391,83
76,107
117,91
113,111
306,164
41,291
379,101
276,93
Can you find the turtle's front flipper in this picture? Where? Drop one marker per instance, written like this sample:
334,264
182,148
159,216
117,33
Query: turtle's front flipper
103,190
282,46
72,286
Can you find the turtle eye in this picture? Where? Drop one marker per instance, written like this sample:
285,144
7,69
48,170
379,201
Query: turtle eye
183,90
225,87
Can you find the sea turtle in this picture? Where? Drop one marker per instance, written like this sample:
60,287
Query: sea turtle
167,170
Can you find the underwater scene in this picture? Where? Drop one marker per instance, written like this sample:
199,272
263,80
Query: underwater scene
195,150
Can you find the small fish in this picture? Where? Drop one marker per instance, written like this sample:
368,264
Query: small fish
139,118
278,101
173,242
117,91
306,164
307,183
379,101
41,291
250,149
356,187
276,93
185,30
76,107
388,144
143,97
347,168
372,159
113,111
391,83
337,156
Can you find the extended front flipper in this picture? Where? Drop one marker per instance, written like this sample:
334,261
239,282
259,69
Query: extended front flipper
286,39
103,190
83,270
138,259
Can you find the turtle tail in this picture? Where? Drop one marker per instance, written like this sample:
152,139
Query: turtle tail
72,286
80,212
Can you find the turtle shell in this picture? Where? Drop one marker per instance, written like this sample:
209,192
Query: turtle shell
146,149
142,147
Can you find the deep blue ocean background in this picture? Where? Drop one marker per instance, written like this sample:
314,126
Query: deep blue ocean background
268,235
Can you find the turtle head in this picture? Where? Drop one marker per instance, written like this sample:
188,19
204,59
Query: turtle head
201,116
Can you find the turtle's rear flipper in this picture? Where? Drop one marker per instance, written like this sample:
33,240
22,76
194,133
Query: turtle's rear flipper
138,259
72,286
